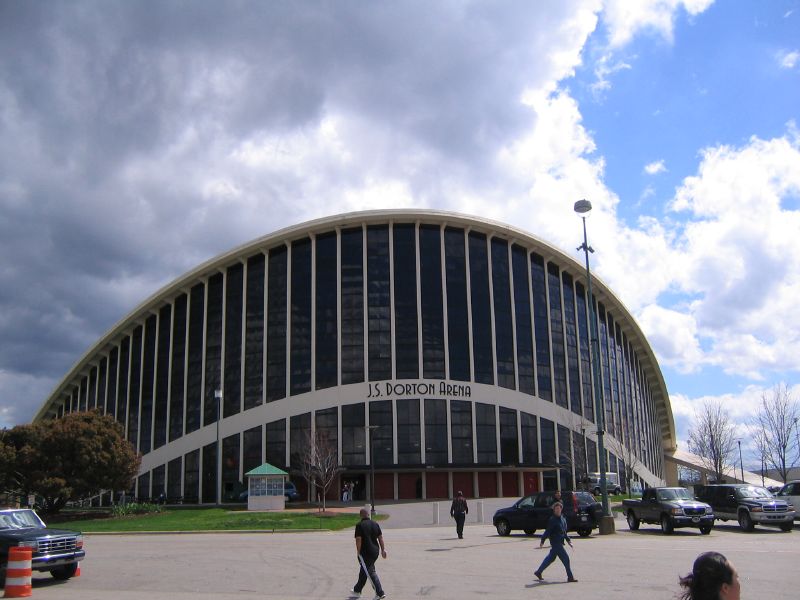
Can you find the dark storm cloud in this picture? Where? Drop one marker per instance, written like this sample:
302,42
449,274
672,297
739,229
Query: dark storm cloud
114,114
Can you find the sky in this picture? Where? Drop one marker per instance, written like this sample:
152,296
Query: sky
139,139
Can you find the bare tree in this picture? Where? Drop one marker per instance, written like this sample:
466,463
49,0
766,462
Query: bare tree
629,457
776,432
327,467
713,437
319,462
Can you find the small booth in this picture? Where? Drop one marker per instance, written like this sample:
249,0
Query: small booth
265,488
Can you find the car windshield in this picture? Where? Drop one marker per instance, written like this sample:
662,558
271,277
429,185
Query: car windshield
752,491
674,494
19,519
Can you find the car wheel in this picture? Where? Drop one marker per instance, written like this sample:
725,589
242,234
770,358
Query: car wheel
666,525
705,529
787,526
585,531
65,572
503,527
529,531
745,522
633,522
596,491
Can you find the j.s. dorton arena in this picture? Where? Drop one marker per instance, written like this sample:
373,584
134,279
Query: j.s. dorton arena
444,352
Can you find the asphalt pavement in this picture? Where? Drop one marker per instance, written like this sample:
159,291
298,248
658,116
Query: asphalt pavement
424,561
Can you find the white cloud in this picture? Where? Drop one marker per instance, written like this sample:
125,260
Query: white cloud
739,254
788,60
625,19
655,167
673,335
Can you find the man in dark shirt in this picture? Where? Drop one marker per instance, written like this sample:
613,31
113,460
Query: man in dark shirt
557,532
369,544
459,510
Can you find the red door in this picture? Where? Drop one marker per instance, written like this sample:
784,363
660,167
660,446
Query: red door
436,485
462,482
409,486
530,481
487,484
510,484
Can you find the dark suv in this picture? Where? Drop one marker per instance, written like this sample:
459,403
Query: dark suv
748,504
530,513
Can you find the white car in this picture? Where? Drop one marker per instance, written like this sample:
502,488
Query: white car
791,493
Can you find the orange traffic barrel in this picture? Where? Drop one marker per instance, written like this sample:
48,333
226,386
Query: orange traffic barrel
18,572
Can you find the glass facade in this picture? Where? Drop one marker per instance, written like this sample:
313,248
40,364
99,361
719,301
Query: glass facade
352,312
435,432
431,304
232,382
254,332
276,323
457,305
467,336
379,315
325,325
405,302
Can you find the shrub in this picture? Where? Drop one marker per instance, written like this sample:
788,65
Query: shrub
135,508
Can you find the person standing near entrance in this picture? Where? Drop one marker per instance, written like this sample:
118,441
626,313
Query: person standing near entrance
557,533
369,544
459,511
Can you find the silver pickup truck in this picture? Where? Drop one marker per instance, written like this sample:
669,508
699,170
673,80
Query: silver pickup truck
669,507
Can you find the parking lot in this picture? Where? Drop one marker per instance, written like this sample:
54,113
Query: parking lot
424,561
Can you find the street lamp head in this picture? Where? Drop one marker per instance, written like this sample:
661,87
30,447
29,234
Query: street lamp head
582,207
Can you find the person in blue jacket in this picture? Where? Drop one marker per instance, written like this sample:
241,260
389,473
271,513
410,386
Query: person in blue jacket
557,533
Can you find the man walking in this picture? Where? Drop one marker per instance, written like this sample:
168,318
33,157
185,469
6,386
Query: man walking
369,543
459,511
557,532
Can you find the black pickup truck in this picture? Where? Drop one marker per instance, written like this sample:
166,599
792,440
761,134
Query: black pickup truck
55,550
669,507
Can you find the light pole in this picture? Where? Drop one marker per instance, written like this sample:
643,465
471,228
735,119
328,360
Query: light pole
370,429
585,457
741,464
218,398
583,207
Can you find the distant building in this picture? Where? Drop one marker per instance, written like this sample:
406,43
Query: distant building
464,341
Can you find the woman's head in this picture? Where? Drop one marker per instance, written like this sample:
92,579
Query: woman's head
712,578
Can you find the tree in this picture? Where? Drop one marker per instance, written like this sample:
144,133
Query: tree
776,432
713,437
319,462
630,459
75,457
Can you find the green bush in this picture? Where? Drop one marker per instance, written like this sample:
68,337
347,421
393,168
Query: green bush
135,508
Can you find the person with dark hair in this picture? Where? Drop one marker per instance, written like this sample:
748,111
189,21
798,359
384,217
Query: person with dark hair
459,511
712,578
557,533
369,545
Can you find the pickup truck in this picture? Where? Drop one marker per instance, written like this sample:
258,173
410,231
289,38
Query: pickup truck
747,504
55,550
669,507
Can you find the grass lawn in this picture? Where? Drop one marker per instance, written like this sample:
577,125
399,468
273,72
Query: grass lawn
213,519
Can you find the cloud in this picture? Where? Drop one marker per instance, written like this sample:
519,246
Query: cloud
788,60
139,142
738,254
655,167
741,406
625,19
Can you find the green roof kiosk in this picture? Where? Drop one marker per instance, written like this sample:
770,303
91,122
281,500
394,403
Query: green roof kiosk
265,488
